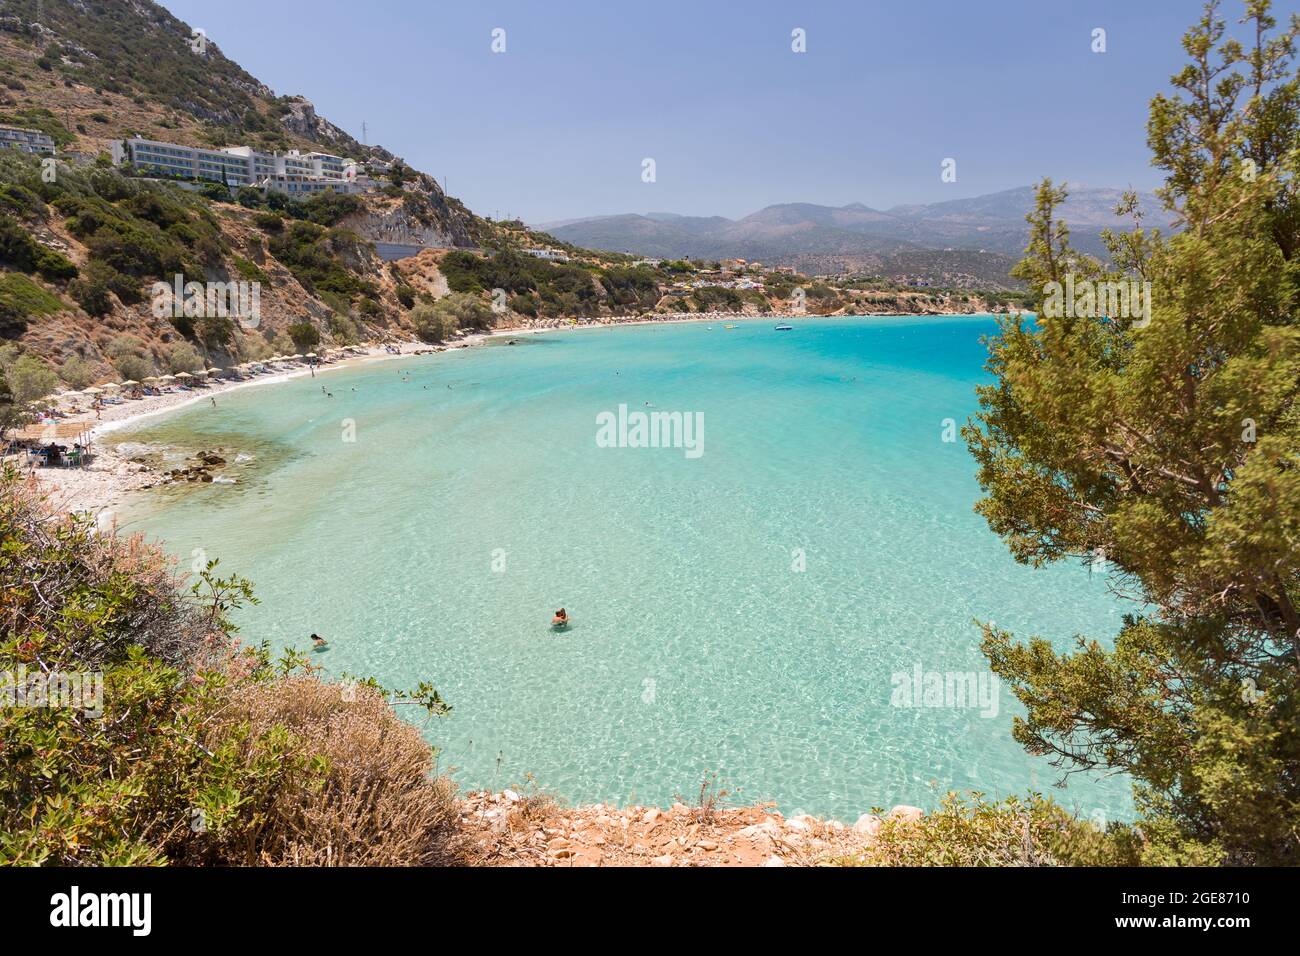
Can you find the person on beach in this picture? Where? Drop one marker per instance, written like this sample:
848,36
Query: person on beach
213,401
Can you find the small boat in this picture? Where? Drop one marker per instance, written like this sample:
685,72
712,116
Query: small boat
784,328
729,326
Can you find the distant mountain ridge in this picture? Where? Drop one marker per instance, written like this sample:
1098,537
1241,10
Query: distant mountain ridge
990,231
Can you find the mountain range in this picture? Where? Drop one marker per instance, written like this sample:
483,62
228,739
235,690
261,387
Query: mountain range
983,235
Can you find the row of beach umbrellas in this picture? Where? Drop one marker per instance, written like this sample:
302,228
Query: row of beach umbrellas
186,376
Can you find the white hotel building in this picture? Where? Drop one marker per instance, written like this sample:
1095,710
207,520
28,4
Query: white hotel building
294,173
26,140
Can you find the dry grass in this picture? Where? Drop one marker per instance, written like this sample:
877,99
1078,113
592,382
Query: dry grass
377,805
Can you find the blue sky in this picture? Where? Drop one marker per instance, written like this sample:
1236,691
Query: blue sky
558,125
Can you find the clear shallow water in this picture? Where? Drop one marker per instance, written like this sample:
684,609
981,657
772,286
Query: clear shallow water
695,647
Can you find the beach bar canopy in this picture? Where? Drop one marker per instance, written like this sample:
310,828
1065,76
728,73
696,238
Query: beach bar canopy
51,431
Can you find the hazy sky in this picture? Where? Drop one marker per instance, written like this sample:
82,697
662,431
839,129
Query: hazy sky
557,126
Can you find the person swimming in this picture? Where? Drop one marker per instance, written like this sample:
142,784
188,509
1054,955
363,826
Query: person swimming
319,641
561,618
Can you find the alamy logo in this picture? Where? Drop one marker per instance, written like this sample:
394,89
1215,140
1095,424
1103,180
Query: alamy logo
103,909
76,690
953,689
197,300
1098,300
651,430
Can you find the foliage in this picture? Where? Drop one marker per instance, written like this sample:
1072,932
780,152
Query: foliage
315,256
329,208
182,357
305,336
251,271
561,289
99,281
197,751
18,250
77,372
343,330
30,378
967,830
132,231
25,297
456,312
433,324
38,117
1167,447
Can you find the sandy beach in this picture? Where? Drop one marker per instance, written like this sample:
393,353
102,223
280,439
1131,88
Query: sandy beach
100,486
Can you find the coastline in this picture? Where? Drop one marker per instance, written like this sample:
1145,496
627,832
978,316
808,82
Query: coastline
101,486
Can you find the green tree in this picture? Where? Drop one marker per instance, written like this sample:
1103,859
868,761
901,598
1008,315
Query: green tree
30,379
77,372
305,336
431,323
1166,446
460,310
182,357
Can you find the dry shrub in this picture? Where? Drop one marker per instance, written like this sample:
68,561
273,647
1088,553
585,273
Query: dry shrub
375,804
55,568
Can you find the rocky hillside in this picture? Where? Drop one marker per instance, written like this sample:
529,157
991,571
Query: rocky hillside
82,244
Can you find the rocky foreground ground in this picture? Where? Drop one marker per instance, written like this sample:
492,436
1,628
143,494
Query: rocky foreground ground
513,829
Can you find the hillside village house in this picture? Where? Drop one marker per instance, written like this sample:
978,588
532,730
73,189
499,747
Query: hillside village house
26,140
551,255
294,172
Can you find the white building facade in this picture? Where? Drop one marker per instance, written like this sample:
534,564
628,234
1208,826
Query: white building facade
26,140
294,172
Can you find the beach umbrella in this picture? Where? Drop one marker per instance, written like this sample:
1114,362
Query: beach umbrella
110,385
311,355
93,391
167,378
129,382
151,378
184,375
294,358
214,371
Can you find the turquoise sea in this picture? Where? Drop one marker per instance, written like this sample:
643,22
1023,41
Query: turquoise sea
743,612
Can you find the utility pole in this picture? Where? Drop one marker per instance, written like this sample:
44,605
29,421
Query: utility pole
363,134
